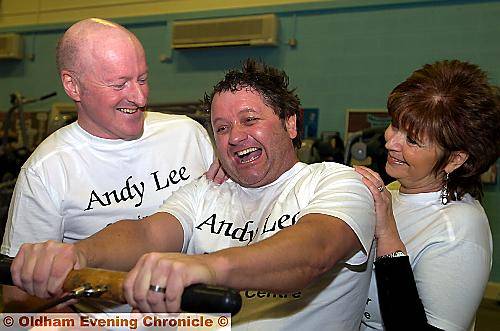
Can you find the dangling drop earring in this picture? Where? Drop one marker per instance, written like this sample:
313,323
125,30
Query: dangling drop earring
444,190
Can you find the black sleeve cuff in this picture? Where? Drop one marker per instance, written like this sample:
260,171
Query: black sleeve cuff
400,304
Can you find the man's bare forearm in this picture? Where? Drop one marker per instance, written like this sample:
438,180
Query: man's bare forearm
120,245
290,259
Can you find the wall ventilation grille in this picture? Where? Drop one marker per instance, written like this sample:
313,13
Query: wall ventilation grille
259,30
11,46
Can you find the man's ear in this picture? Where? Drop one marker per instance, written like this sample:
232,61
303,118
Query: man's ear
291,126
456,160
70,84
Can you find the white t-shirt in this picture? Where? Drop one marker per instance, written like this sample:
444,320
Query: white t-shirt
74,184
450,250
216,217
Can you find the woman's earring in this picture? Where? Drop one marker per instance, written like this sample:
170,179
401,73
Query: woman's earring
444,190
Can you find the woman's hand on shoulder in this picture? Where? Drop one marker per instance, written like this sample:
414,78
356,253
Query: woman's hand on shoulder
216,173
386,230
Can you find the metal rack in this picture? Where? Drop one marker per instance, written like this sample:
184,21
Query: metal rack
13,153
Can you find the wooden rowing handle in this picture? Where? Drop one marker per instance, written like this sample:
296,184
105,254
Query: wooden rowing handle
112,280
198,298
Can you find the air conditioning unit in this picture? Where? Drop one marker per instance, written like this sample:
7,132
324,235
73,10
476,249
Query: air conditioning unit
258,30
11,46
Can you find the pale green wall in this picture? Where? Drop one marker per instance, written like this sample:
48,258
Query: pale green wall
350,54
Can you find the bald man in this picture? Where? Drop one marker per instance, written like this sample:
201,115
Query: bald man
117,160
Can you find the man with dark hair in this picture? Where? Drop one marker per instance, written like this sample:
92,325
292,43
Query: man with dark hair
271,84
295,238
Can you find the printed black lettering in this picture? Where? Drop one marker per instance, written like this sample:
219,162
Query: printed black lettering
266,229
277,295
209,221
157,181
251,234
249,294
94,198
126,193
228,228
108,195
282,220
265,294
140,192
182,170
172,175
248,231
261,294
240,233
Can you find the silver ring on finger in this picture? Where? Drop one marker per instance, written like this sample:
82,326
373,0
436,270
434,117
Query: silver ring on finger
381,188
157,289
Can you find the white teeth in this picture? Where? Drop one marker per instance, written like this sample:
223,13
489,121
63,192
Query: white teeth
127,110
247,151
250,160
397,160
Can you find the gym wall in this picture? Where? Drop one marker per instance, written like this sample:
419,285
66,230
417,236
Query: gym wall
348,54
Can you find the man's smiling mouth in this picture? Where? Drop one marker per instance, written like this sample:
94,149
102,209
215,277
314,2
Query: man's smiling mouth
249,154
130,110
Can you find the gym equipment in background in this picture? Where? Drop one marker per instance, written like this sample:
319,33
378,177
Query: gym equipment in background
367,148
